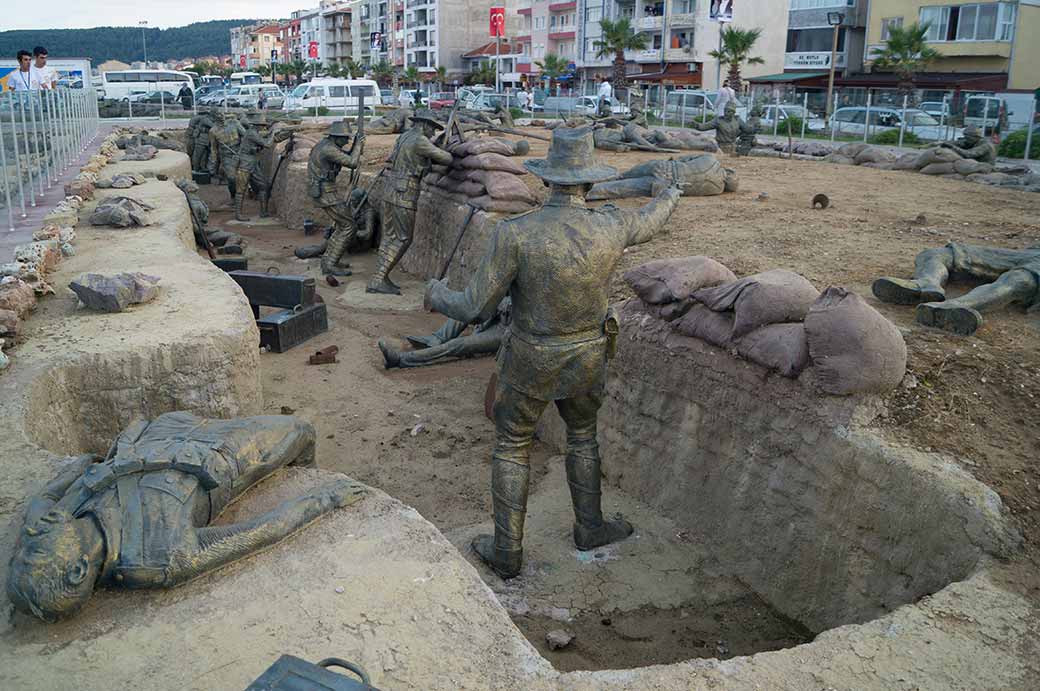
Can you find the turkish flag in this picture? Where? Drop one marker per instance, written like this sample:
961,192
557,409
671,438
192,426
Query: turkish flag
312,49
497,23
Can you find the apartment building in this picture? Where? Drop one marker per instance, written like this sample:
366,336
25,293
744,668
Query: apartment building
810,36
252,45
289,32
680,34
991,46
337,44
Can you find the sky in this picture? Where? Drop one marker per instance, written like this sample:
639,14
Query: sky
80,14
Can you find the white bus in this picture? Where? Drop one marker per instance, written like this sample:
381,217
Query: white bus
121,84
241,78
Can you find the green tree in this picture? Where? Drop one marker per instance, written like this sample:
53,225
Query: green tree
618,36
264,71
552,67
411,75
484,74
442,76
297,68
382,72
737,45
353,69
906,52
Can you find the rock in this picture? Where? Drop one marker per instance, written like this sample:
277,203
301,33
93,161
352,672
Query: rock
840,159
17,296
44,254
4,360
990,178
67,250
122,212
558,639
114,293
9,323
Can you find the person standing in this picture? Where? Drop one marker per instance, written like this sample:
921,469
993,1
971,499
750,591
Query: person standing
185,96
555,263
46,77
23,78
606,95
726,95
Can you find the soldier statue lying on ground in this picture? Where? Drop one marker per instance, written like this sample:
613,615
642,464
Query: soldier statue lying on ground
391,122
140,517
697,175
973,146
448,343
1014,276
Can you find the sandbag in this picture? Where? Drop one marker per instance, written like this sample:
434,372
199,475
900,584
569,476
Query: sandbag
712,327
936,155
503,185
432,178
770,297
873,154
938,169
907,161
470,188
967,166
853,348
669,311
667,280
492,161
484,145
839,159
780,347
502,206
852,149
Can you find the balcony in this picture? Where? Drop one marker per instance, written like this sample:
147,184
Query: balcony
562,6
684,19
973,49
649,23
526,11
812,61
523,39
562,36
647,55
678,54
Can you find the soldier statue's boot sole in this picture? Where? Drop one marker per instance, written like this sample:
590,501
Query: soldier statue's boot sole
898,291
953,318
391,358
506,563
586,538
384,287
336,271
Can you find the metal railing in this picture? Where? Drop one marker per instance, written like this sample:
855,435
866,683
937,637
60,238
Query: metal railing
42,134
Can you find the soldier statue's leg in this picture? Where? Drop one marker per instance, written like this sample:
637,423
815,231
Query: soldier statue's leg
480,343
450,329
516,414
931,271
583,474
397,236
200,156
963,315
258,181
228,167
337,207
241,185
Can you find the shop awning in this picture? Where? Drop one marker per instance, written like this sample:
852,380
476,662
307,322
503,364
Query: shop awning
787,77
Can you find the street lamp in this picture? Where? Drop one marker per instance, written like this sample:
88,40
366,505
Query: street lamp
834,19
144,45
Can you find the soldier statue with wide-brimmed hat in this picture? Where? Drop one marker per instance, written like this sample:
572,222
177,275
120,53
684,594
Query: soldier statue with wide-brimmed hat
555,263
249,172
409,161
327,159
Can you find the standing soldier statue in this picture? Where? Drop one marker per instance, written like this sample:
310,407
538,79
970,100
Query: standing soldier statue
198,135
326,160
408,163
727,128
249,171
223,150
555,263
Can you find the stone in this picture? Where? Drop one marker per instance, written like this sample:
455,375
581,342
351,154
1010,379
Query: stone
121,212
114,293
67,250
17,296
4,360
44,254
9,323
557,639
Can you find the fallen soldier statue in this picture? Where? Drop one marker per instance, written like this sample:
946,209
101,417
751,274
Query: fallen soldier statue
140,517
448,342
1014,276
697,175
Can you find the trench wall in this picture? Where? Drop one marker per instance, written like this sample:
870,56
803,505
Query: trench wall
792,488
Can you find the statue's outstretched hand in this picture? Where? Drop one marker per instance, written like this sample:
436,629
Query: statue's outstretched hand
340,493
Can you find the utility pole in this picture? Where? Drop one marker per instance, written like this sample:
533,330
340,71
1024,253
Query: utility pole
718,63
834,19
144,43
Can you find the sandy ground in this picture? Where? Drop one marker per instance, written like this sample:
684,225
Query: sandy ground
421,435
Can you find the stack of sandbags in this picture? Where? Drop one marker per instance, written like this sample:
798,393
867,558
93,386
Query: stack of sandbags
483,175
777,319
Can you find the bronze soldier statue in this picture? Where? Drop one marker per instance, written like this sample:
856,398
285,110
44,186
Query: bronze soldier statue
223,150
326,160
409,161
1015,276
746,140
249,172
448,342
555,263
727,128
972,145
139,518
198,134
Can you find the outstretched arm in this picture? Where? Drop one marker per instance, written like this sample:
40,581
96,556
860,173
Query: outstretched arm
705,126
487,287
643,224
221,545
54,490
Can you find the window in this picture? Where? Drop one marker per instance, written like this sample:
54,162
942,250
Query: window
814,40
993,21
938,21
888,24
552,21
593,14
112,77
818,4
337,91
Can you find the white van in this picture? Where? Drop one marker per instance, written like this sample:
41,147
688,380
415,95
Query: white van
242,78
334,94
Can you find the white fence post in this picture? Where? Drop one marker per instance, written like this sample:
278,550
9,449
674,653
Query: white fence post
834,122
1029,131
805,113
776,111
7,181
17,156
866,120
902,123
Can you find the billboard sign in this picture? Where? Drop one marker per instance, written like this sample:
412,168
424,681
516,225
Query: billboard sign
721,11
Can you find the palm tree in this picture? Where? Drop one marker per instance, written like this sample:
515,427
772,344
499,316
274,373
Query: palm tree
617,38
353,69
297,68
906,52
411,75
553,67
382,72
442,76
736,49
263,71
484,74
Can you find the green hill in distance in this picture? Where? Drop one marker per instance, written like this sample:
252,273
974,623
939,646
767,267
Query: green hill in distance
124,42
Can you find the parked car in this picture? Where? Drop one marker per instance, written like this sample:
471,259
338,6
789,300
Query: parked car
249,96
335,94
206,90
589,105
152,97
769,116
442,99
853,120
689,103
937,109
214,98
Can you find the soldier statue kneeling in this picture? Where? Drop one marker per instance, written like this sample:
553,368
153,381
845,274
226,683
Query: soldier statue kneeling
139,518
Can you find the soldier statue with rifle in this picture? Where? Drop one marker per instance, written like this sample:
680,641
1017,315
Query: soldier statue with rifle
223,150
409,161
326,160
248,171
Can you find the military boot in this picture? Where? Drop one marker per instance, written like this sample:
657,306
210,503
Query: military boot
391,358
503,551
240,188
390,253
900,291
334,249
583,478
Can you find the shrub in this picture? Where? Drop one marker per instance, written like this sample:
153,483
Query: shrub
795,124
1014,145
891,138
517,113
322,110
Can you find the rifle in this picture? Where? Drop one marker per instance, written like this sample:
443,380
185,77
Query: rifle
202,228
355,173
506,130
458,241
452,123
278,166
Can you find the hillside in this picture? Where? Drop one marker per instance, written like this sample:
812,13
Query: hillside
124,42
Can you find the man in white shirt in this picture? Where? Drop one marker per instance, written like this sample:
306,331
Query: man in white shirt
23,78
605,95
46,77
726,94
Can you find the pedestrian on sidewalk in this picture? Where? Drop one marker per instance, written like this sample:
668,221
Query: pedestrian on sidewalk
46,76
23,78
